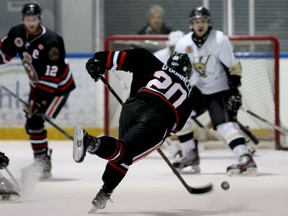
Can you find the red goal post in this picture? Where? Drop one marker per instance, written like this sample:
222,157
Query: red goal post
259,56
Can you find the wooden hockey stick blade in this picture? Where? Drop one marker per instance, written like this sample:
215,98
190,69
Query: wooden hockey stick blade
192,190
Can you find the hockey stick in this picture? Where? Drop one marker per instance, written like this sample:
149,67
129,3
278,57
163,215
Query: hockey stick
45,117
13,178
192,190
248,133
282,130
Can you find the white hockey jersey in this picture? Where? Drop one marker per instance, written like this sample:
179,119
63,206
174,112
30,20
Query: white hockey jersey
163,54
209,75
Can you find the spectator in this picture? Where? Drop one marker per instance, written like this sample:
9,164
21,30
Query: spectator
156,24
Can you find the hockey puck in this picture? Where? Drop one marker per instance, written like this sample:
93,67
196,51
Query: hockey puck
225,185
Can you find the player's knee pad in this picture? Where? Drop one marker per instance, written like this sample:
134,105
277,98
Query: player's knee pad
230,131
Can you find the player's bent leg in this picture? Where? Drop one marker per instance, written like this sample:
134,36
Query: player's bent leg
42,165
237,143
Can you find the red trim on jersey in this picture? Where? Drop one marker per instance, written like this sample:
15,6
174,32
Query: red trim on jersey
54,105
116,150
66,70
122,59
148,152
164,99
121,150
44,88
117,168
67,85
109,59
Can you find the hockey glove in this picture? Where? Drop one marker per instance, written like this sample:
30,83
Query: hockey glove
4,160
234,101
95,69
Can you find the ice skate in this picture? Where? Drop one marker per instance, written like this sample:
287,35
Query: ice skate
41,167
80,144
99,202
8,191
246,166
83,142
191,159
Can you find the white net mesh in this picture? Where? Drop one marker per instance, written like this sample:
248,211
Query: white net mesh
258,82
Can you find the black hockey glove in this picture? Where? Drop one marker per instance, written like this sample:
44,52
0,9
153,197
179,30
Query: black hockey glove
95,68
234,100
4,160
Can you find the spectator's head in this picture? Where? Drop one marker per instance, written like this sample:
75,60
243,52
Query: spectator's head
31,17
155,17
200,21
173,38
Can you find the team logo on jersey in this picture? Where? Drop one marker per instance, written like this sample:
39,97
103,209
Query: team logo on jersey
18,42
53,53
200,65
189,49
41,47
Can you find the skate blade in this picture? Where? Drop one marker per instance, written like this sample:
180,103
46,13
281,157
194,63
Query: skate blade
189,170
237,172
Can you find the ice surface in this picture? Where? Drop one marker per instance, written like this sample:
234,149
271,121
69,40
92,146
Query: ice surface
150,188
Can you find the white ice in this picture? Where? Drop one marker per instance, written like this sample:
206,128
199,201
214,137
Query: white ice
150,188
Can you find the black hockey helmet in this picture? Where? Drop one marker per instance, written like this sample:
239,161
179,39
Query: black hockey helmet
181,63
32,8
199,12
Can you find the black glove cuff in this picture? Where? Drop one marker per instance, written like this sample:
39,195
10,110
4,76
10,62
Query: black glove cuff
234,81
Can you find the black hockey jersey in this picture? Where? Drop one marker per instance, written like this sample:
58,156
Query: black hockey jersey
153,81
43,59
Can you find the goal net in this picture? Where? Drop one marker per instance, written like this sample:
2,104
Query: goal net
259,56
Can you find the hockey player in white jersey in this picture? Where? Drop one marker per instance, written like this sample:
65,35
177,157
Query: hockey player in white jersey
218,74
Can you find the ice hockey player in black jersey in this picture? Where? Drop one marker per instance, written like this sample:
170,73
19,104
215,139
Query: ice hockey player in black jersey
159,103
42,53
